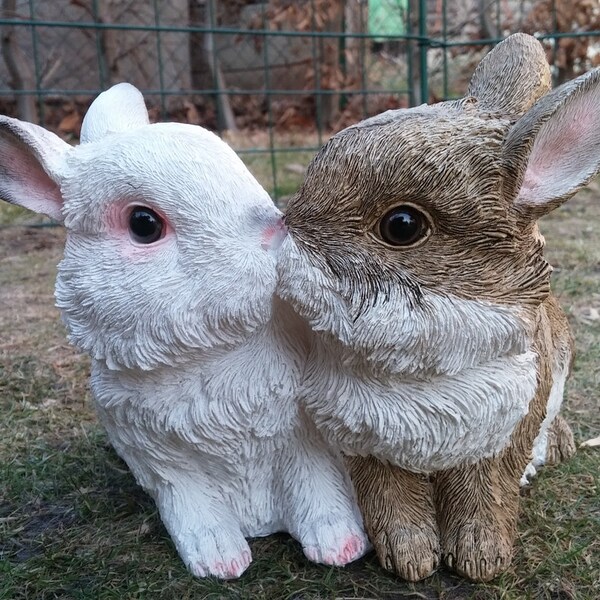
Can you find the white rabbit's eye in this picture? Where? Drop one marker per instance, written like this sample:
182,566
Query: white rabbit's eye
145,225
404,225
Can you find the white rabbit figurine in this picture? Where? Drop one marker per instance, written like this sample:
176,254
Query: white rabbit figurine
414,255
167,282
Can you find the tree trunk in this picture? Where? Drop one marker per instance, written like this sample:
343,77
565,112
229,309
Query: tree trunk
201,77
22,76
487,26
413,55
355,20
206,72
327,61
109,45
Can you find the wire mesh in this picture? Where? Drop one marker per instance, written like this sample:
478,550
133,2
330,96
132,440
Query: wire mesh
275,78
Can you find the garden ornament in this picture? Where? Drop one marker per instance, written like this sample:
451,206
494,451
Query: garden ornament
439,355
167,281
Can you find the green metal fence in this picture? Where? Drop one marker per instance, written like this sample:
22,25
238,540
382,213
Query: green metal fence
275,78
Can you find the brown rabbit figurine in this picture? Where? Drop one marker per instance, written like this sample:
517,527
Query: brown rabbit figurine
439,355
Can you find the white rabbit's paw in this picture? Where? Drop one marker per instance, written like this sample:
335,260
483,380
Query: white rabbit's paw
333,542
215,552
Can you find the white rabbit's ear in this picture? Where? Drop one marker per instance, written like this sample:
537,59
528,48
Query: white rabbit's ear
29,159
511,77
554,149
118,109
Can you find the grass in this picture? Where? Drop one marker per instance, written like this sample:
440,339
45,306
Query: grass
74,525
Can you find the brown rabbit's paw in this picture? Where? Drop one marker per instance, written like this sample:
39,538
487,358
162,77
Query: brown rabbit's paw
411,552
561,443
478,551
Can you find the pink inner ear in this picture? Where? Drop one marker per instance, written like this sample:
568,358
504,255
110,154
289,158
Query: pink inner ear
24,182
566,151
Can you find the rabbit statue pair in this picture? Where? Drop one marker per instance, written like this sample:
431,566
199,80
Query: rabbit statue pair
402,317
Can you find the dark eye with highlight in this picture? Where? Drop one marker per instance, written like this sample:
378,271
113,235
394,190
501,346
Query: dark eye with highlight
145,226
404,225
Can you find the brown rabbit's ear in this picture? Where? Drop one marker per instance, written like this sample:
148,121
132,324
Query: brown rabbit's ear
512,77
554,149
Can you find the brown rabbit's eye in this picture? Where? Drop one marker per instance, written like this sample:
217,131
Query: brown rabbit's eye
145,225
404,225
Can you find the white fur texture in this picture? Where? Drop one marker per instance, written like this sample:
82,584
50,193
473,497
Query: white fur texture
226,454
105,117
196,368
418,386
552,409
206,284
540,445
425,423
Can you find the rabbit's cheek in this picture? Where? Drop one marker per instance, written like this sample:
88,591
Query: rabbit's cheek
129,249
135,252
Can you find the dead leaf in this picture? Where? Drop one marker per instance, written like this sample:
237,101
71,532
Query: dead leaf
71,123
587,315
295,168
593,314
593,443
191,113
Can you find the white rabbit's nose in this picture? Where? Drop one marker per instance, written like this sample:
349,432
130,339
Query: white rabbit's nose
273,235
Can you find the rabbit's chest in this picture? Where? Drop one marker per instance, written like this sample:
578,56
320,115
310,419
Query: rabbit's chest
233,414
425,424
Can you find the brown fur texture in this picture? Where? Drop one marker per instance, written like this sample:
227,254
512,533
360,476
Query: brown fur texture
463,164
406,540
477,505
561,443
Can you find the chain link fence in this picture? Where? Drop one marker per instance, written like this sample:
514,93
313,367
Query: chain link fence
275,78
